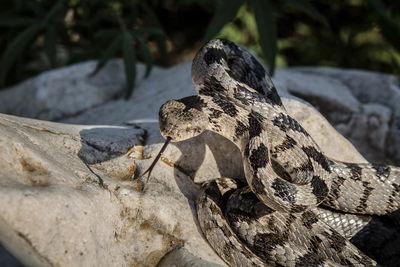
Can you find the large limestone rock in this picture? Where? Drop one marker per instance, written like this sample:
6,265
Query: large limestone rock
71,194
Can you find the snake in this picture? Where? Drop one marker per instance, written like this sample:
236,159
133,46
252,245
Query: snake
297,207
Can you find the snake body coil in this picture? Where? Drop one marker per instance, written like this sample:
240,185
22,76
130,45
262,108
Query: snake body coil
276,218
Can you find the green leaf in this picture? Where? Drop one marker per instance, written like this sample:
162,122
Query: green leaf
50,44
129,57
150,14
162,47
147,56
109,53
379,8
309,9
390,30
148,31
16,21
107,34
56,7
266,25
36,8
225,12
160,39
16,48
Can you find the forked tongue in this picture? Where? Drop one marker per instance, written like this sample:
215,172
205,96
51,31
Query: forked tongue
156,159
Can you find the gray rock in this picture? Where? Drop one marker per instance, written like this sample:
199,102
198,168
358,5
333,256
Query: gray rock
377,121
327,92
55,212
65,92
182,258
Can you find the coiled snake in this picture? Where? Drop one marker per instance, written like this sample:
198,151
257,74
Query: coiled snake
276,218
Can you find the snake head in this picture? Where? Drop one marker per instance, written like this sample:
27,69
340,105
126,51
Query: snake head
182,119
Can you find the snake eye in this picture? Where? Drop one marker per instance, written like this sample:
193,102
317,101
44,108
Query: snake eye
188,127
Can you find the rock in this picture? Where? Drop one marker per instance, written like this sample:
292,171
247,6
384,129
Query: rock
181,257
72,193
328,92
148,95
65,92
55,212
371,117
7,259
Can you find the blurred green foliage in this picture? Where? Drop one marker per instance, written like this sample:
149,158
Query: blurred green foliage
41,34
79,30
264,12
349,34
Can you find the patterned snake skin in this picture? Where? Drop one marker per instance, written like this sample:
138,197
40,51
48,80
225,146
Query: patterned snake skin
276,218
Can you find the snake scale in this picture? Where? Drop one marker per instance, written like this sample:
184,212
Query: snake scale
299,207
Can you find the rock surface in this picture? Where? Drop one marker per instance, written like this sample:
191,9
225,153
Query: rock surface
64,92
70,193
361,105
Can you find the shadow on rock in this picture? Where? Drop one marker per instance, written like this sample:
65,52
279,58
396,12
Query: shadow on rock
206,157
103,144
